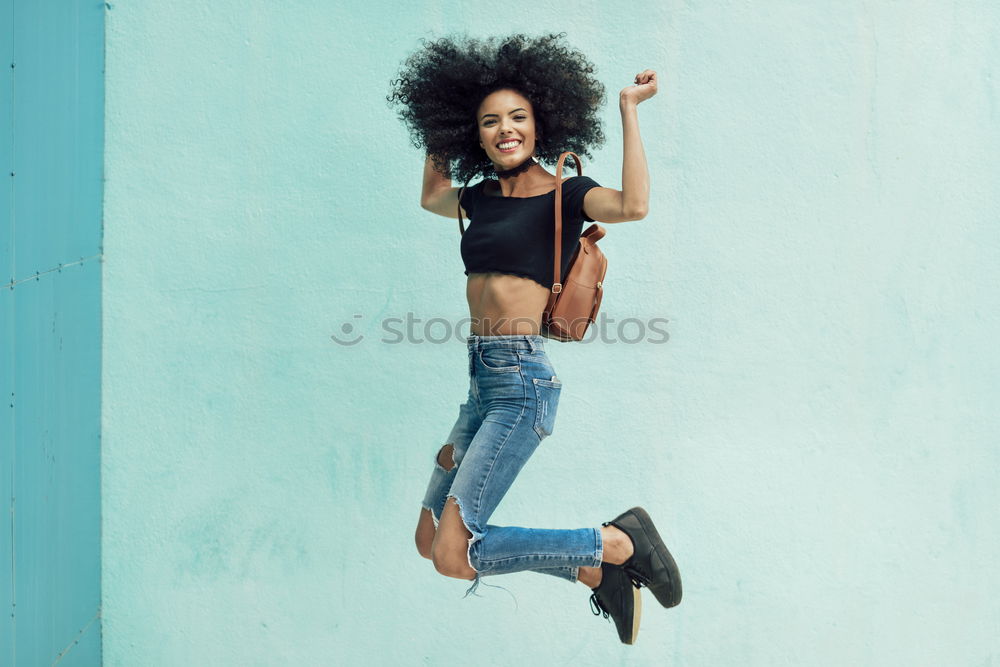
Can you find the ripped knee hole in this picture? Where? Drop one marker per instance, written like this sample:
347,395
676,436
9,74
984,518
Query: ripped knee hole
446,457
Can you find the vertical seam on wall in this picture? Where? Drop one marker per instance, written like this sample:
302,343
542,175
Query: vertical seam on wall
13,333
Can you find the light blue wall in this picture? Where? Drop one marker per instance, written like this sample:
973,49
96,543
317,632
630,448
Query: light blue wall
817,439
51,136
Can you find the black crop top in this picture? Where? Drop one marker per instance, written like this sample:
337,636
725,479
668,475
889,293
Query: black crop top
513,235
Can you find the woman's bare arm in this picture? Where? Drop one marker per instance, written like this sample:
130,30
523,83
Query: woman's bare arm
438,195
632,201
635,173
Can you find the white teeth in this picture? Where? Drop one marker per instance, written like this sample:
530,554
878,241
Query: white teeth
508,144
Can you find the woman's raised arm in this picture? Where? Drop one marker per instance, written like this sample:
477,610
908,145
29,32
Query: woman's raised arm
438,195
635,173
632,201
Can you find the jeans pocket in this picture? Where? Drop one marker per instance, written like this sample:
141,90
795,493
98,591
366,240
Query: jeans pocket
546,404
499,359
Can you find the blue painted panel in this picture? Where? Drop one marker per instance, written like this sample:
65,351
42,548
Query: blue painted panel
52,326
57,113
6,333
57,474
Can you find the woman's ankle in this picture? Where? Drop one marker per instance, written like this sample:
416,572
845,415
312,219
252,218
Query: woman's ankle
617,545
589,576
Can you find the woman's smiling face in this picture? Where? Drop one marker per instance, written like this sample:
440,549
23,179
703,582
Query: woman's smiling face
506,128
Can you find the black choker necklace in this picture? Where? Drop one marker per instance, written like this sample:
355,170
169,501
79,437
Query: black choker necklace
513,171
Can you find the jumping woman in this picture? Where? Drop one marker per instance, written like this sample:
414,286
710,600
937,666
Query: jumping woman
499,111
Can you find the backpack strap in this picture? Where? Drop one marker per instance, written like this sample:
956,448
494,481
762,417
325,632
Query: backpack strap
461,227
557,241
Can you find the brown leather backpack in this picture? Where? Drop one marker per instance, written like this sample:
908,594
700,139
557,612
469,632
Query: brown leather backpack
573,304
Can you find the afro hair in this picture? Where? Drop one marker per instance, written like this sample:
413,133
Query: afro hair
441,85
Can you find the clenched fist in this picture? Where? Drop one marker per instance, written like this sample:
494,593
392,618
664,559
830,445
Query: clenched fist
644,88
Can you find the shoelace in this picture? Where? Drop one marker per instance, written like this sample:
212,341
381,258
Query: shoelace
600,607
638,577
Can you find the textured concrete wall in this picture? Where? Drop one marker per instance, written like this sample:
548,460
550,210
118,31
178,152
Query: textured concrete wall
51,135
817,438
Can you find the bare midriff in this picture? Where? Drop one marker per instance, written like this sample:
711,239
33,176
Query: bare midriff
502,304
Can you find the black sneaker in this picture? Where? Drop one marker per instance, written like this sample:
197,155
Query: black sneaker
651,565
616,597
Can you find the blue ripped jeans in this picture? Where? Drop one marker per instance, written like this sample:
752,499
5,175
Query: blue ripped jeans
511,408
